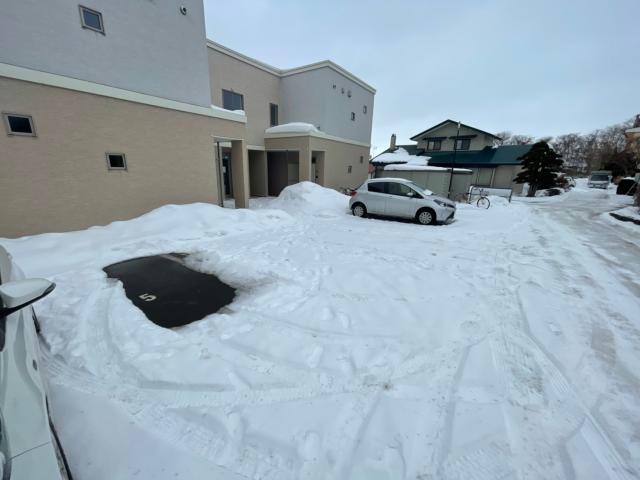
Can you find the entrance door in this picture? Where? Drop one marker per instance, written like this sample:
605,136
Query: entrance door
226,175
314,166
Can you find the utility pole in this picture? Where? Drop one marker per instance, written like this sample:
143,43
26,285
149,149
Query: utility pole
455,153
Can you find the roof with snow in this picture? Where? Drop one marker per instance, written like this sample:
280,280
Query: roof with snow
487,157
293,127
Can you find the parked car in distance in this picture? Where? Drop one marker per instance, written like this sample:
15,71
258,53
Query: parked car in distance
396,197
599,179
29,447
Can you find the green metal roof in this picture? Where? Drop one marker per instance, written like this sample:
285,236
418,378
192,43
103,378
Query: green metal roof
487,157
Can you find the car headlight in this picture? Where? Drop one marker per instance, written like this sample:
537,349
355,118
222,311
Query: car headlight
444,204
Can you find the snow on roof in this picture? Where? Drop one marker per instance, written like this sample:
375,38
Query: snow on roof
422,168
400,155
294,127
633,130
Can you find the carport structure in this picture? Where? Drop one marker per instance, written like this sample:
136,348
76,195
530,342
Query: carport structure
317,158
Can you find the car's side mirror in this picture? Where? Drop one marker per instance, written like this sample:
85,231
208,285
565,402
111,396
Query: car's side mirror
411,194
21,293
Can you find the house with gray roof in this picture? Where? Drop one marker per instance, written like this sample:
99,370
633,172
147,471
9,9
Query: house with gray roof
469,153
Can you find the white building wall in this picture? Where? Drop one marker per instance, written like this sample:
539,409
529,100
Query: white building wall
148,46
311,97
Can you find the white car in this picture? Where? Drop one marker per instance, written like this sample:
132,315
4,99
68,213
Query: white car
29,447
396,197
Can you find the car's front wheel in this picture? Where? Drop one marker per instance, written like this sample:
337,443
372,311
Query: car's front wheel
426,216
359,210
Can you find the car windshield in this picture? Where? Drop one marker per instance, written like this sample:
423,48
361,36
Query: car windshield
599,178
420,189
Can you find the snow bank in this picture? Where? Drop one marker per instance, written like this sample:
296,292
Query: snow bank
164,229
497,201
401,156
293,127
631,212
308,197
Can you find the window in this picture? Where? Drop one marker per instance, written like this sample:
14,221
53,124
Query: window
353,116
376,187
434,144
91,20
463,143
116,161
19,124
273,114
399,189
361,159
349,168
232,100
364,109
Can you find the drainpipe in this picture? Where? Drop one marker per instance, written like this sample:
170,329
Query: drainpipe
455,153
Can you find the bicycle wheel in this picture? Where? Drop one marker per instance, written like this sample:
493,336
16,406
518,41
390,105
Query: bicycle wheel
483,202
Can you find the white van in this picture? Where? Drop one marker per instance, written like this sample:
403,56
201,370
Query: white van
600,179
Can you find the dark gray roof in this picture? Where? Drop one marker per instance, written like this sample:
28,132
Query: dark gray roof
451,121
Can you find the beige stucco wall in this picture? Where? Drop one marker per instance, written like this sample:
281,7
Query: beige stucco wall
258,87
450,130
58,181
338,156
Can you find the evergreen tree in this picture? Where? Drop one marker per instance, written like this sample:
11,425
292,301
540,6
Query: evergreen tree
539,167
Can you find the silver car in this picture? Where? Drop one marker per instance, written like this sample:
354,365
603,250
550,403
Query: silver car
29,447
396,197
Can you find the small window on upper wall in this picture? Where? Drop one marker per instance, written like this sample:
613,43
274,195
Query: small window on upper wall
116,161
434,144
91,19
353,116
463,144
364,109
361,159
232,100
19,124
349,168
273,114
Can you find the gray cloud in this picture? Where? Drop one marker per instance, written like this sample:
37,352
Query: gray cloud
539,68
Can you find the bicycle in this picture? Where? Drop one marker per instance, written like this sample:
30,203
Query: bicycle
483,201
470,196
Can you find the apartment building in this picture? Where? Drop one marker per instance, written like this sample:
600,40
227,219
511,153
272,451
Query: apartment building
111,108
306,123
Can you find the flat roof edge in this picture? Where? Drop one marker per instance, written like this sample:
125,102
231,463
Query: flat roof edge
290,71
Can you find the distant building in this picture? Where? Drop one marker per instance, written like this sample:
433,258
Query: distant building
468,149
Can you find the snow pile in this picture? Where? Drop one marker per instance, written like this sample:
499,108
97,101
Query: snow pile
308,197
497,201
162,230
500,346
293,127
400,155
631,212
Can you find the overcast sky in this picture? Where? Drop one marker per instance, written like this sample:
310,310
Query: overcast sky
540,68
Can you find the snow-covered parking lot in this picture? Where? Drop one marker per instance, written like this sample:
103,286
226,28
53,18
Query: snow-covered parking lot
505,345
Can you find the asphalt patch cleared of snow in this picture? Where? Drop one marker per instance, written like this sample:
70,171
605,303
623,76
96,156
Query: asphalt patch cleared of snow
169,293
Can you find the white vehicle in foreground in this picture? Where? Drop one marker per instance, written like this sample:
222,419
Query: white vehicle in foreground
29,448
396,197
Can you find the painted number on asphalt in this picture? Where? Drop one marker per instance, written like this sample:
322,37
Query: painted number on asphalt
147,297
